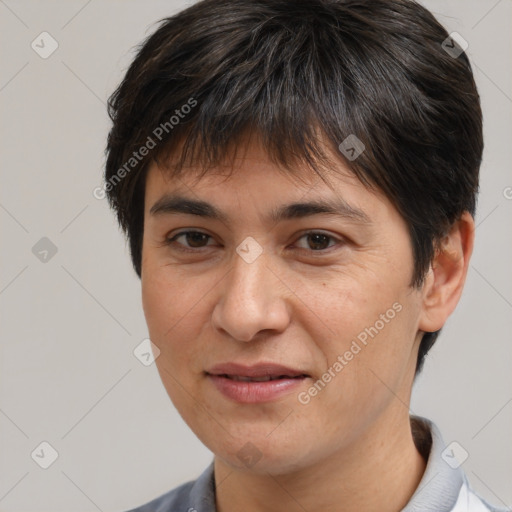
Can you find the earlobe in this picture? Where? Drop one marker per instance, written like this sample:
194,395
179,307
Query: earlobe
445,280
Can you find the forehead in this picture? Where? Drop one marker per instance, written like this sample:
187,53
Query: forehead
249,159
247,154
249,179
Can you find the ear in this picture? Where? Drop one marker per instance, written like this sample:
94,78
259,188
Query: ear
445,280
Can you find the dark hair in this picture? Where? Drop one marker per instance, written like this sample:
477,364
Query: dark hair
304,75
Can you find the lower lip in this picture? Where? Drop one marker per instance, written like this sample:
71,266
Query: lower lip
254,392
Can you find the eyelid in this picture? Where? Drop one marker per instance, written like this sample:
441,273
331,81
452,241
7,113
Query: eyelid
170,240
338,239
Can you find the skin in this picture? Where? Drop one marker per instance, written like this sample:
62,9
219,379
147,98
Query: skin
301,303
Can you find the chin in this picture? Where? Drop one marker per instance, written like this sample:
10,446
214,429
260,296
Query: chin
259,454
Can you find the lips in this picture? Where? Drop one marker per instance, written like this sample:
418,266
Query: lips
263,382
257,373
266,378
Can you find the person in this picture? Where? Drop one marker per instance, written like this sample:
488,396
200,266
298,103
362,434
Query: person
298,183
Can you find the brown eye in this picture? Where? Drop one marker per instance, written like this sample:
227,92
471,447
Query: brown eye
193,240
318,241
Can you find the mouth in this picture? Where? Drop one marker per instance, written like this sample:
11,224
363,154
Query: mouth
260,372
264,378
263,382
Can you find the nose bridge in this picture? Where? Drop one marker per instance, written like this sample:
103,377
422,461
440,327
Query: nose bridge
249,277
250,300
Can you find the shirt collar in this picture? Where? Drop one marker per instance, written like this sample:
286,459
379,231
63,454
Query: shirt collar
437,491
440,485
202,493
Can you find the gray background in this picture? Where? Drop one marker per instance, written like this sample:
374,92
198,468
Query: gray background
69,325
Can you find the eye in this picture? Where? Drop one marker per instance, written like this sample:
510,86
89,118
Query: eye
317,241
193,239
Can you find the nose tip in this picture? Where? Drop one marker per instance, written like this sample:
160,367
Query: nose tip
247,320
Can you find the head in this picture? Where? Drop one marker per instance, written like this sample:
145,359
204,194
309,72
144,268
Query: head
249,105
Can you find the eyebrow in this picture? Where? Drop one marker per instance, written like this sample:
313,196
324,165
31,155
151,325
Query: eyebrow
177,204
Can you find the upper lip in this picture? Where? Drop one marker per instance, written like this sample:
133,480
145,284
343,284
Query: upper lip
257,370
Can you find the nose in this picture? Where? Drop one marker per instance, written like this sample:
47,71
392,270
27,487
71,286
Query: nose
252,299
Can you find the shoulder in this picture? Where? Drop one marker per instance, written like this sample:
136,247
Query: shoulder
194,496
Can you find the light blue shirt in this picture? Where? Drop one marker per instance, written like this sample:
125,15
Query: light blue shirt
443,487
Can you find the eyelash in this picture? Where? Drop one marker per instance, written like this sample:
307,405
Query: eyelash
171,241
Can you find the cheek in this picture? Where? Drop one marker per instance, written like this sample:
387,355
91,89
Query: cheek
175,311
347,306
169,312
164,306
383,360
158,305
368,347
167,297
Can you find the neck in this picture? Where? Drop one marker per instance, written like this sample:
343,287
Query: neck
379,472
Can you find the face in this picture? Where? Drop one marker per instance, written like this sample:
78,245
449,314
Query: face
262,276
